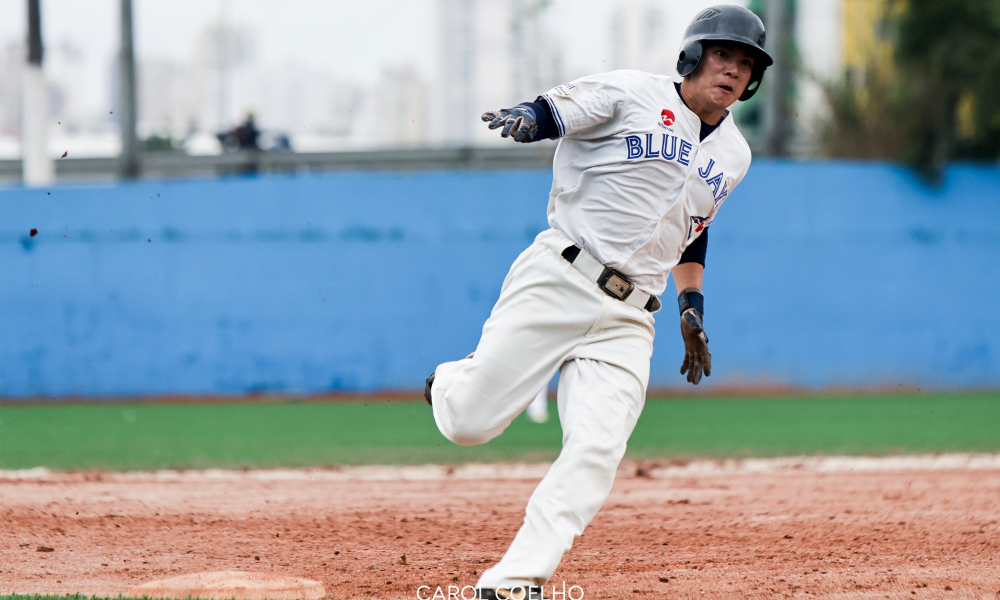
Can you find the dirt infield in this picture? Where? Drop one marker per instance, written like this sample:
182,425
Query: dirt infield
748,530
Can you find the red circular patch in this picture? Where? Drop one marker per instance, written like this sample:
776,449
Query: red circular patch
667,117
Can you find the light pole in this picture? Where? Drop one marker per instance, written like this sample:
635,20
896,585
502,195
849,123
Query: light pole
36,167
129,165
777,107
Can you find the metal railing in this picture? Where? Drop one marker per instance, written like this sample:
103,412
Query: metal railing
176,164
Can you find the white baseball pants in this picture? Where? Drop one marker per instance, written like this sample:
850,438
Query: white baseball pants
549,317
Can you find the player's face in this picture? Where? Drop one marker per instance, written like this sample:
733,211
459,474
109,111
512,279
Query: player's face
722,75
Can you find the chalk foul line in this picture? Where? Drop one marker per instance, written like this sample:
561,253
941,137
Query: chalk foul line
655,469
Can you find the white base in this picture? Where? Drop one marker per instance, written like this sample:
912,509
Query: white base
223,585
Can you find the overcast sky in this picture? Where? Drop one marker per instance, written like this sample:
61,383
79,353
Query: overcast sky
350,38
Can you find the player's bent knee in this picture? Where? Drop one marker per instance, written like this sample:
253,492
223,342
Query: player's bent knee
466,439
472,430
466,432
468,421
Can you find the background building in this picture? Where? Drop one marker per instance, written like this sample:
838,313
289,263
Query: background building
492,54
639,38
404,75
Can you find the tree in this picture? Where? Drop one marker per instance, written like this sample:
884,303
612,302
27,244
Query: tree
938,99
950,51
867,114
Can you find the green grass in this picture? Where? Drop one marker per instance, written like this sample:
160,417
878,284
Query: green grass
157,436
869,425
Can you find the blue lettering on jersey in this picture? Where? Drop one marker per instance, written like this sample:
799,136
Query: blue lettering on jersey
722,194
707,170
714,183
718,195
650,153
668,151
685,150
672,153
634,146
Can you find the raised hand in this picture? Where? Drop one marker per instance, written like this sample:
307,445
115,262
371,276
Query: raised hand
518,121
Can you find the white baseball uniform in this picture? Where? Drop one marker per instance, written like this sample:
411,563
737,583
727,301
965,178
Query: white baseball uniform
633,185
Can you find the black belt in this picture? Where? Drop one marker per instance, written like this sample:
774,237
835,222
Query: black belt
612,282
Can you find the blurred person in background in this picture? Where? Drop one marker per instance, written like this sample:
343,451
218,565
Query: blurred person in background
244,136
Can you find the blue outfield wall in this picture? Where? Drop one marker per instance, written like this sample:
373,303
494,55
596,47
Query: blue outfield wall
818,274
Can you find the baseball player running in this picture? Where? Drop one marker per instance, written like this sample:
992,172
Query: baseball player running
643,164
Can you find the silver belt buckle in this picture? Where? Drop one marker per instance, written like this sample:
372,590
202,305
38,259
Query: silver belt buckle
615,284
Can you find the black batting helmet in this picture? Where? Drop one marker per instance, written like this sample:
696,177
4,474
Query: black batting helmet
731,24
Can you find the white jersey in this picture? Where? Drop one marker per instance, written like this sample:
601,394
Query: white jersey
632,182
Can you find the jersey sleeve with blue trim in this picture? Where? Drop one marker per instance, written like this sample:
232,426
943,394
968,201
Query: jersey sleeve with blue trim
590,107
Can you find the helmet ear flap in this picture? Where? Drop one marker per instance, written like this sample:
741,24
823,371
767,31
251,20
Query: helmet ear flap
752,87
689,58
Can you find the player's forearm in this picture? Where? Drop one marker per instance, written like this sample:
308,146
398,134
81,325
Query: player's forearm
688,275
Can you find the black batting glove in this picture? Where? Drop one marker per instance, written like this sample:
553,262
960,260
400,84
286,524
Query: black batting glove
519,122
697,358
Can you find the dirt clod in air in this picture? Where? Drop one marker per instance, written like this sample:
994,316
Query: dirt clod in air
33,232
